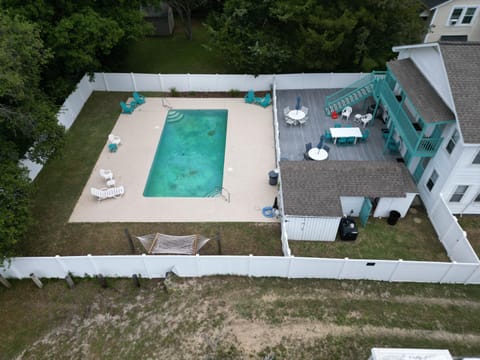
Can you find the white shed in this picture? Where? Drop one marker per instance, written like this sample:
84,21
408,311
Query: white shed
316,194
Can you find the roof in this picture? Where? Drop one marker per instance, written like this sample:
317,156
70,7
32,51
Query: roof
434,3
423,96
463,71
313,188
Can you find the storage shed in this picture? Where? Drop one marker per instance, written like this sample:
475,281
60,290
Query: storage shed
316,194
161,17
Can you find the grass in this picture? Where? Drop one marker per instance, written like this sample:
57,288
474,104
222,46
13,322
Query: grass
174,54
407,240
471,224
234,318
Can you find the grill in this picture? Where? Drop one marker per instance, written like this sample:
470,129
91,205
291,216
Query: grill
348,229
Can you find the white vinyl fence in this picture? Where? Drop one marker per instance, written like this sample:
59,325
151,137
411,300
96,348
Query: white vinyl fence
151,266
450,233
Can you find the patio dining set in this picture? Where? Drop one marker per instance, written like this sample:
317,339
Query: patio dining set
297,116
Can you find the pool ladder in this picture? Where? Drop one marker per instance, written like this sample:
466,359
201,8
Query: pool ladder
220,191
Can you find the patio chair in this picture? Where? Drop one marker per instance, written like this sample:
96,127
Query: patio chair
305,110
328,135
351,140
127,108
106,174
265,101
342,141
366,119
337,125
346,112
303,120
250,97
365,135
113,139
110,193
322,139
289,121
286,110
308,147
326,148
139,99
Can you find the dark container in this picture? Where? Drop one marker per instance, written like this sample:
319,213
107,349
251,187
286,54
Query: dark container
273,177
393,218
348,229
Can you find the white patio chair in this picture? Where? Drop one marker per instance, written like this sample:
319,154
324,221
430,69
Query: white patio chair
303,120
286,110
366,119
346,112
110,193
113,139
304,109
106,174
289,121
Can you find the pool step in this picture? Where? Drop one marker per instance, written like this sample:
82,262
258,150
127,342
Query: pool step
174,116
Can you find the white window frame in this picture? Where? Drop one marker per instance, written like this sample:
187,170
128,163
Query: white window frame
459,21
476,199
454,138
433,181
458,194
476,159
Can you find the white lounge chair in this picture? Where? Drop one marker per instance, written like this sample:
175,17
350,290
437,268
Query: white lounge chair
102,194
106,174
113,139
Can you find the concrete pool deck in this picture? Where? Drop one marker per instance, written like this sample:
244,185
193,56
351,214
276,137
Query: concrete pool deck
249,156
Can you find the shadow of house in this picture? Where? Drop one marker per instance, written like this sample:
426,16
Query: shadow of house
161,17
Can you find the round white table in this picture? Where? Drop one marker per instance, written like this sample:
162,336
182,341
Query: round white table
318,154
296,115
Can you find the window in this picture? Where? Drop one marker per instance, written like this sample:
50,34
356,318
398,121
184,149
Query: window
477,199
459,192
433,179
477,159
462,15
452,142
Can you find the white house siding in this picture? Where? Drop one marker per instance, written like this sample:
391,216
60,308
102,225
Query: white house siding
351,205
453,169
385,205
312,228
430,63
440,25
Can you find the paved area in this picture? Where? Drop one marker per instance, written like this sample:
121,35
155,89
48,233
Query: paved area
249,156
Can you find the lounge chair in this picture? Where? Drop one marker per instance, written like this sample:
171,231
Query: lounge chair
127,108
139,99
265,101
110,193
113,139
250,97
106,174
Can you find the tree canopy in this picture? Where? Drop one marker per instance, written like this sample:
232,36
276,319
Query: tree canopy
313,35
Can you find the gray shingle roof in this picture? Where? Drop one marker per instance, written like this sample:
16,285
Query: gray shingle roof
433,3
462,62
313,188
423,96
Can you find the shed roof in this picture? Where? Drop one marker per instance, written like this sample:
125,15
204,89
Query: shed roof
423,96
313,188
463,70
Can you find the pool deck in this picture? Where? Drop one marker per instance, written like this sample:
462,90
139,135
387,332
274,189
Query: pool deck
249,156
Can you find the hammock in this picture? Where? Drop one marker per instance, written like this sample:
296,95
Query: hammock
169,244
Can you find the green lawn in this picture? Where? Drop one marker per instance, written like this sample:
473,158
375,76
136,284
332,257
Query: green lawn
174,54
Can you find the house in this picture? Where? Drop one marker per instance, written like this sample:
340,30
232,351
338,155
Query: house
452,20
429,96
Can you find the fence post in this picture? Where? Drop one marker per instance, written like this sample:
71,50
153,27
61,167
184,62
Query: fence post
105,81
474,272
36,280
144,260
395,270
197,264
132,76
189,86
448,271
290,265
95,269
339,276
62,265
5,282
250,257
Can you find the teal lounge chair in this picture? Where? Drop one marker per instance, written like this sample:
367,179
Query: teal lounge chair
265,101
127,108
139,99
250,97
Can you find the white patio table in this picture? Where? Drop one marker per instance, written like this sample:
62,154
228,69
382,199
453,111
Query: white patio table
296,115
317,154
345,132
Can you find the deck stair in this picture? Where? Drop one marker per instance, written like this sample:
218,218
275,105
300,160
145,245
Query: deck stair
174,116
352,94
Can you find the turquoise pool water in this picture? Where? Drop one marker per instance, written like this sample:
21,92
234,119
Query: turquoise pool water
190,155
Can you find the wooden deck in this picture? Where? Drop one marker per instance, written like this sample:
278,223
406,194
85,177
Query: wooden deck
294,138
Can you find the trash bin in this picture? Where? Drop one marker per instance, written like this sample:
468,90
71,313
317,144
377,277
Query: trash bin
273,177
393,218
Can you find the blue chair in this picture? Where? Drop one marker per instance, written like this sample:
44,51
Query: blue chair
320,144
328,135
308,147
127,108
348,125
139,99
365,135
342,141
337,125
265,101
351,140
112,147
250,97
326,148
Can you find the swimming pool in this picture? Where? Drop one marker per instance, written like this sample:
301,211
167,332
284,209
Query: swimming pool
190,155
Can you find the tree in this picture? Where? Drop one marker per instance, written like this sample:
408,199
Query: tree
313,35
184,9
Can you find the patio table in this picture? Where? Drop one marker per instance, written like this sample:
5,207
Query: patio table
345,132
318,154
296,115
